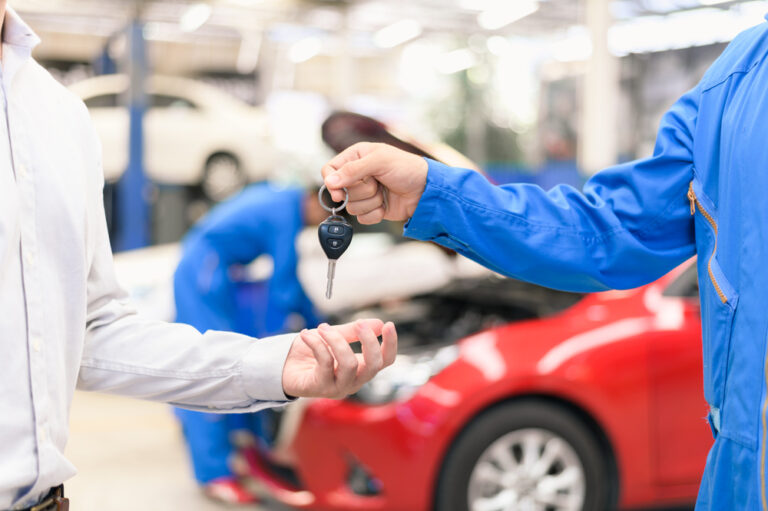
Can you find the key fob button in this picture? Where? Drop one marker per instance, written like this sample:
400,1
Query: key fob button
335,237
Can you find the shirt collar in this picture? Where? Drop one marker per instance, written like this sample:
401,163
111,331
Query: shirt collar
18,33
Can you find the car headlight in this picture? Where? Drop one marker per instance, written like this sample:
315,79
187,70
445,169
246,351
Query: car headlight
409,372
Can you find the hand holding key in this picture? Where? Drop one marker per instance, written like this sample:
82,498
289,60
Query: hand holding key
384,183
335,235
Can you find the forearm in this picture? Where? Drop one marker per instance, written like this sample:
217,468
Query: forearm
216,371
562,238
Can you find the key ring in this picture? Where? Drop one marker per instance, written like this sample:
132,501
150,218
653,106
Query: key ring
332,211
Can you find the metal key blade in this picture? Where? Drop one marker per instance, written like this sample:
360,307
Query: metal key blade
331,274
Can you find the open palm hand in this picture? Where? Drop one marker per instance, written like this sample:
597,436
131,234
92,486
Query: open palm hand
321,362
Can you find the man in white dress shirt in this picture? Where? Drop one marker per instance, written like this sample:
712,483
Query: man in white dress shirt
65,323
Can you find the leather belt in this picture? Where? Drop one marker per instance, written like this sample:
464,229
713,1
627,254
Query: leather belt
54,501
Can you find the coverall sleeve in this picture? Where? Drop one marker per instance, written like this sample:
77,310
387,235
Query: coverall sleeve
629,225
126,354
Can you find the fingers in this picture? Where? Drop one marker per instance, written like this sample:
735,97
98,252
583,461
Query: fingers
346,169
373,217
346,362
365,189
349,330
341,372
353,152
389,344
359,207
322,355
373,361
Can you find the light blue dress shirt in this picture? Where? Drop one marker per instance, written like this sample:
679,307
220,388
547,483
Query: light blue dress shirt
64,321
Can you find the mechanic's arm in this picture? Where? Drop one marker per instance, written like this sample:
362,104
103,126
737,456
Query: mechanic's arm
216,371
629,225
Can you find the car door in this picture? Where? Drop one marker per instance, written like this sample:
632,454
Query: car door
681,435
177,138
110,119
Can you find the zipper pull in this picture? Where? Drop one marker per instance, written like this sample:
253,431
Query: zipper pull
692,198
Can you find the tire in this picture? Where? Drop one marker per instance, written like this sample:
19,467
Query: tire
222,178
488,461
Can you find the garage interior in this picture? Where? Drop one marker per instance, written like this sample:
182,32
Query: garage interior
234,92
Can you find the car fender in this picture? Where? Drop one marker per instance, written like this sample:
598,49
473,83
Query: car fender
607,382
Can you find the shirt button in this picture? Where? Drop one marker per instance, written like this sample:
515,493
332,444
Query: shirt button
41,434
36,344
30,257
22,170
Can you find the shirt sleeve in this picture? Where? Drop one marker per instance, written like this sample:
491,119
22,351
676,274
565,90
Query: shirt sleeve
126,354
628,226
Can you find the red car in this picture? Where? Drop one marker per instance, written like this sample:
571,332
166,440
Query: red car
595,406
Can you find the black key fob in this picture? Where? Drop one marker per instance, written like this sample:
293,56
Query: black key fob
335,235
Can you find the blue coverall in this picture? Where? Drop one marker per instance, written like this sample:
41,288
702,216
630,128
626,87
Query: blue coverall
262,219
704,191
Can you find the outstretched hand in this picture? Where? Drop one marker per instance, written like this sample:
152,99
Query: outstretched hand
321,363
370,171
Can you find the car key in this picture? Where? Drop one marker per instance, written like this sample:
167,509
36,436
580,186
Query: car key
335,235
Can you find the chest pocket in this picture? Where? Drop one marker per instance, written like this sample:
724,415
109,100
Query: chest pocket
718,300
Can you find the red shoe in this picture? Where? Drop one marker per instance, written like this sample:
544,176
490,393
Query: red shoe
228,490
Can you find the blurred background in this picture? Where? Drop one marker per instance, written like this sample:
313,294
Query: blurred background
193,101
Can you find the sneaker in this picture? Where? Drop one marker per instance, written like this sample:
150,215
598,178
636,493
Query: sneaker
229,491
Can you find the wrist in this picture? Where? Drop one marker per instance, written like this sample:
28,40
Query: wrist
419,183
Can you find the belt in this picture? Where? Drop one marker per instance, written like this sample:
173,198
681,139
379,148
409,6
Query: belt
54,501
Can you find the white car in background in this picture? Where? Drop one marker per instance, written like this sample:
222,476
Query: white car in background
194,134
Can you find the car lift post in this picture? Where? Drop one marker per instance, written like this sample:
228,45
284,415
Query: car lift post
133,189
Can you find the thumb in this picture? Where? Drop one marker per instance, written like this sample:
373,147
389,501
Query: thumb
351,173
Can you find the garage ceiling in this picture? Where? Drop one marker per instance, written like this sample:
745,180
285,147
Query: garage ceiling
77,29
104,16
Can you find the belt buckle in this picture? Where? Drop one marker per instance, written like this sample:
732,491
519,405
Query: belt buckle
54,502
62,503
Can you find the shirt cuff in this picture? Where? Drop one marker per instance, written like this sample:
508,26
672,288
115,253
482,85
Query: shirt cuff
262,368
421,225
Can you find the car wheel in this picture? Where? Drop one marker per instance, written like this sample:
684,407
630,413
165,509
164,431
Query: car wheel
528,456
222,178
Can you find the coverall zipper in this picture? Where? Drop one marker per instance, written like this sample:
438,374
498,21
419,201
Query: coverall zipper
694,203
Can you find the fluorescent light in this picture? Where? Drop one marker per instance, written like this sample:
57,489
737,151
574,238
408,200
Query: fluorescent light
504,12
685,29
195,17
713,2
305,49
455,61
397,33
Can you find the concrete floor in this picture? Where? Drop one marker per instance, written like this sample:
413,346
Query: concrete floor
130,456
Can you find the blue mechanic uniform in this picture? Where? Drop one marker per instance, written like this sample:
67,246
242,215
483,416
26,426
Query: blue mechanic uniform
262,219
704,191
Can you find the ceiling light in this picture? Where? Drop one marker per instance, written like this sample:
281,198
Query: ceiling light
195,17
397,33
305,49
504,12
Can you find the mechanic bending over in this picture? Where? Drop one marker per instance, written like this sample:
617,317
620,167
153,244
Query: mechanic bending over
66,323
263,219
702,192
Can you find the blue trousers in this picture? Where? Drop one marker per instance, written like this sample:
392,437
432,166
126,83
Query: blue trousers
209,440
